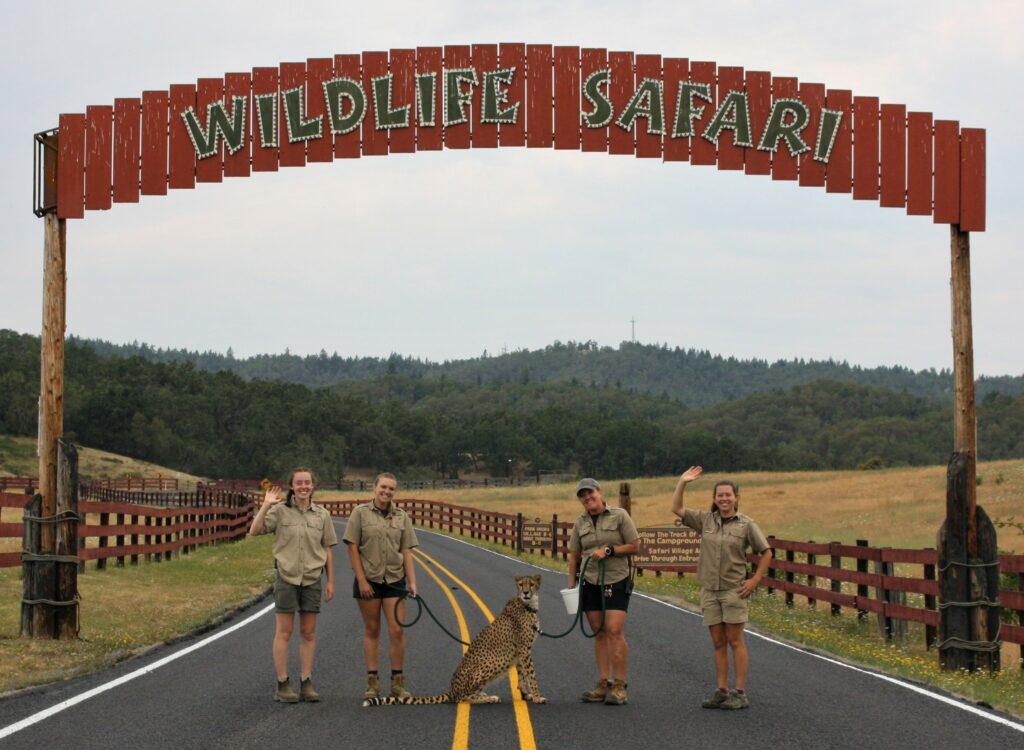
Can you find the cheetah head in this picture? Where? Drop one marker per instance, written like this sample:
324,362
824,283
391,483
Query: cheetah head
528,586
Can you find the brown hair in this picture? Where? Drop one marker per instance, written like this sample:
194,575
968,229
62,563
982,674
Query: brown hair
291,478
735,491
384,475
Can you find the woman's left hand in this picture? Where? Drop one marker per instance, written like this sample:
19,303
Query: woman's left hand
329,591
747,588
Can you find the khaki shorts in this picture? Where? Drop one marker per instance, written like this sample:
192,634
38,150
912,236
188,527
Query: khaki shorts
723,606
291,598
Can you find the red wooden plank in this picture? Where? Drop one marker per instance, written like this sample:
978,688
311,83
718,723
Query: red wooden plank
264,158
181,154
71,167
154,143
730,156
318,70
759,96
293,75
784,164
458,56
1007,563
919,163
349,145
127,139
240,84
539,128
676,70
702,151
972,180
947,172
10,559
865,148
1011,633
209,90
648,144
403,94
99,129
485,58
838,171
812,171
620,141
893,191
592,60
513,55
567,97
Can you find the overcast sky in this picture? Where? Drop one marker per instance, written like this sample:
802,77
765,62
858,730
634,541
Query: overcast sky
443,255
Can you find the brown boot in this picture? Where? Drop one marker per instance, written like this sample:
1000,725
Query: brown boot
598,694
398,686
372,687
285,693
616,694
306,691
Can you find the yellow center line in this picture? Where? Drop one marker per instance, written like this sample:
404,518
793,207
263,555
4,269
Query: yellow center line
520,707
460,738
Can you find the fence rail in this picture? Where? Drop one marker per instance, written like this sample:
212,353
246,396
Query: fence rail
129,484
136,524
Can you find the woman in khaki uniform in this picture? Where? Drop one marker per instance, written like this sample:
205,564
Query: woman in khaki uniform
380,539
722,569
607,536
303,537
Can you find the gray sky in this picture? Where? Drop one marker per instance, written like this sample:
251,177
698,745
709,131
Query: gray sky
446,254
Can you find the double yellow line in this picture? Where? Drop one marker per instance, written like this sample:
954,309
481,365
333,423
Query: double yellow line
460,739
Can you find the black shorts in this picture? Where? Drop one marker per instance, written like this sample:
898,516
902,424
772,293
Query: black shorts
615,595
394,590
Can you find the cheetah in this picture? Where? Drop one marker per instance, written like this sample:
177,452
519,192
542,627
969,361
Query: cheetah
505,641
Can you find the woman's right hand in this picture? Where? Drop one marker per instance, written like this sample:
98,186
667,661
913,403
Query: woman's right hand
273,496
365,589
691,474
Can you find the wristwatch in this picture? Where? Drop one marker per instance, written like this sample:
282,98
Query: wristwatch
609,550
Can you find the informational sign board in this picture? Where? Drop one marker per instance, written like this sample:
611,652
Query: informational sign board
536,536
668,546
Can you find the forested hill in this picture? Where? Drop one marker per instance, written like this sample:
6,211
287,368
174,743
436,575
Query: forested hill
218,424
694,378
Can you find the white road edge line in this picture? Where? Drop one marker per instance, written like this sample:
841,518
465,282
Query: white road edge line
895,681
56,709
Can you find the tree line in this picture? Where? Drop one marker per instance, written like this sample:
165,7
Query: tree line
221,425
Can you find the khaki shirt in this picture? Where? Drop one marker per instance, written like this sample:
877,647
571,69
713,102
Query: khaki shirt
381,540
723,563
301,539
613,526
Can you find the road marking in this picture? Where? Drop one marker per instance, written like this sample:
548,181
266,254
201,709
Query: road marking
954,702
522,712
56,709
460,737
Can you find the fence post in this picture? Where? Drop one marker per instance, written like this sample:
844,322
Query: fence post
66,614
862,589
101,562
519,533
554,536
134,539
885,623
772,570
812,580
836,584
120,541
790,578
930,631
625,500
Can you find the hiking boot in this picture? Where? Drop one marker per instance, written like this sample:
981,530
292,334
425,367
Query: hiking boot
735,701
306,691
285,693
372,687
398,686
717,699
616,694
598,694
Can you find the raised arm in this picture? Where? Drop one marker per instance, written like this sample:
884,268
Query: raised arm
684,479
272,498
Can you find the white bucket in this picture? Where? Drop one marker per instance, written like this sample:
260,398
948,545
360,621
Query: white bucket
571,600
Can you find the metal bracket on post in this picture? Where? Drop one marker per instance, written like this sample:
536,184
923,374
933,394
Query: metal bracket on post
44,173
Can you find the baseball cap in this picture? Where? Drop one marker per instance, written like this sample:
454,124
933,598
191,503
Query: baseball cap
587,483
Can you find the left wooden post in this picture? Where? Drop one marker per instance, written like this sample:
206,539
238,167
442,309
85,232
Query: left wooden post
42,620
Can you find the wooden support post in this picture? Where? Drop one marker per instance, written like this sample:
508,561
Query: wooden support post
836,584
930,631
812,581
625,500
862,589
66,545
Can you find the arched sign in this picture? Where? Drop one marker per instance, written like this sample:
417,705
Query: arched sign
538,96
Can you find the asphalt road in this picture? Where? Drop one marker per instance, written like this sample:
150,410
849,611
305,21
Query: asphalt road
204,693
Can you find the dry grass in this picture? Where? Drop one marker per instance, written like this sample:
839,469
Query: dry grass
889,508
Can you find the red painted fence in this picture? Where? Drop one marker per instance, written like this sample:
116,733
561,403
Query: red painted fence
880,152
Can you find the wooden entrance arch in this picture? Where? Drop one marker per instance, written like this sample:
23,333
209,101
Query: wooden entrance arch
534,96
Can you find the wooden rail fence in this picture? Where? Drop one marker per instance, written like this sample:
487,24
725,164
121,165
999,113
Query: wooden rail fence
145,484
